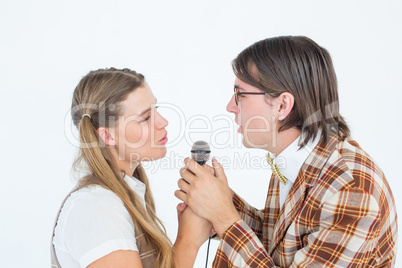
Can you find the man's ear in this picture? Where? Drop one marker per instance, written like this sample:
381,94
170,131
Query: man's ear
107,135
286,102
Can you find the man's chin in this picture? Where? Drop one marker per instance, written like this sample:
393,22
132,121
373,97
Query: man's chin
249,144
246,144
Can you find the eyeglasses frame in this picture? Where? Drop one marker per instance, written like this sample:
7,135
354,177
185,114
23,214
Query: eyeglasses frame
238,93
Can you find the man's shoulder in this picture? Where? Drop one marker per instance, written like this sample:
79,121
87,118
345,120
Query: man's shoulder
350,167
357,160
350,155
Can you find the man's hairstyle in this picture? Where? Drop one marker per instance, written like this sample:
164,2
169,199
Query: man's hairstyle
298,65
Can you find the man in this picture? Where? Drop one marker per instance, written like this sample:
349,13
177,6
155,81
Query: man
330,205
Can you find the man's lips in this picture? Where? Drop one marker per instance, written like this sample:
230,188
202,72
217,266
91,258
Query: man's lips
240,127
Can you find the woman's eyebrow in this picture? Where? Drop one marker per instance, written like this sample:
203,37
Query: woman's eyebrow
147,110
144,112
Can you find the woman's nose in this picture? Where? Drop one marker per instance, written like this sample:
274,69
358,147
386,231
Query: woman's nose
160,121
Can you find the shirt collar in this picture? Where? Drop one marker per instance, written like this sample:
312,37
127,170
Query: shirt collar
290,160
135,184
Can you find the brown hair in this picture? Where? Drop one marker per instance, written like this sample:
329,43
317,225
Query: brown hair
98,95
298,65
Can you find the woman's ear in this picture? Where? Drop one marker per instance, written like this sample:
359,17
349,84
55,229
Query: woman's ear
286,102
107,135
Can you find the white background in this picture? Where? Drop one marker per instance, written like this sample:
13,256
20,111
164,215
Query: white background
184,48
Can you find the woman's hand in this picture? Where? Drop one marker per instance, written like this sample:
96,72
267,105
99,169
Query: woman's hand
180,209
193,232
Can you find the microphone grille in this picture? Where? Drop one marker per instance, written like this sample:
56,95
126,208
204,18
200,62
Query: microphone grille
200,152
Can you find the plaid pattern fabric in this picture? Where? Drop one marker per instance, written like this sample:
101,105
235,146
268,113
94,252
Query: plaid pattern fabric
340,212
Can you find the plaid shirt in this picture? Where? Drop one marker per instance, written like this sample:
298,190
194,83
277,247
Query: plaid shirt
340,212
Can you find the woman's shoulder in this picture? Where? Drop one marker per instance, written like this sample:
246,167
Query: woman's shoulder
92,215
92,223
92,195
92,201
92,209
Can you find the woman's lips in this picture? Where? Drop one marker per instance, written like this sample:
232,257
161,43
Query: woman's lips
164,140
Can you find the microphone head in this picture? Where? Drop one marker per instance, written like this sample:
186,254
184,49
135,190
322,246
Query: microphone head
200,152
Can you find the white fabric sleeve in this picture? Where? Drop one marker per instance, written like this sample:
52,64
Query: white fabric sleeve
96,224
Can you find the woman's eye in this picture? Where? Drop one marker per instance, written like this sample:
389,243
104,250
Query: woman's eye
147,118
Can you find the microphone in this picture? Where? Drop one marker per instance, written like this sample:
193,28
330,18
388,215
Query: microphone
200,152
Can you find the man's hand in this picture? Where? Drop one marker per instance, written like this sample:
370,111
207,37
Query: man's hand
207,194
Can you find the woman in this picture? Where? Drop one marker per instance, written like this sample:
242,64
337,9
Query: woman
109,220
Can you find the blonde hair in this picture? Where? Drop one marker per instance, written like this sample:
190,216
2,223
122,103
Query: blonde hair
98,95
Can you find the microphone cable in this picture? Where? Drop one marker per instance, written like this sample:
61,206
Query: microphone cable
209,242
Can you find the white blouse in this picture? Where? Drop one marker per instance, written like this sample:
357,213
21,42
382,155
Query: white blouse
93,223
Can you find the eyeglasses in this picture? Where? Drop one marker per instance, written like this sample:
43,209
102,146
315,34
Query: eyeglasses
237,93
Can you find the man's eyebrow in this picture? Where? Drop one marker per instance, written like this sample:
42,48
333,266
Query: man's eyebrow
238,87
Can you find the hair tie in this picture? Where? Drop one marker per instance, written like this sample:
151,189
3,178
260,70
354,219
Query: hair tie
86,115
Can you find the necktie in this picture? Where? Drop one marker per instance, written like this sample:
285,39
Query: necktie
275,170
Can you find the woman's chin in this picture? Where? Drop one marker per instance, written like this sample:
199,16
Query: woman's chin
156,156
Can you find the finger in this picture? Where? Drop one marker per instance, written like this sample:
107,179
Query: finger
180,208
213,232
219,172
181,195
185,168
187,175
209,169
193,166
183,185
